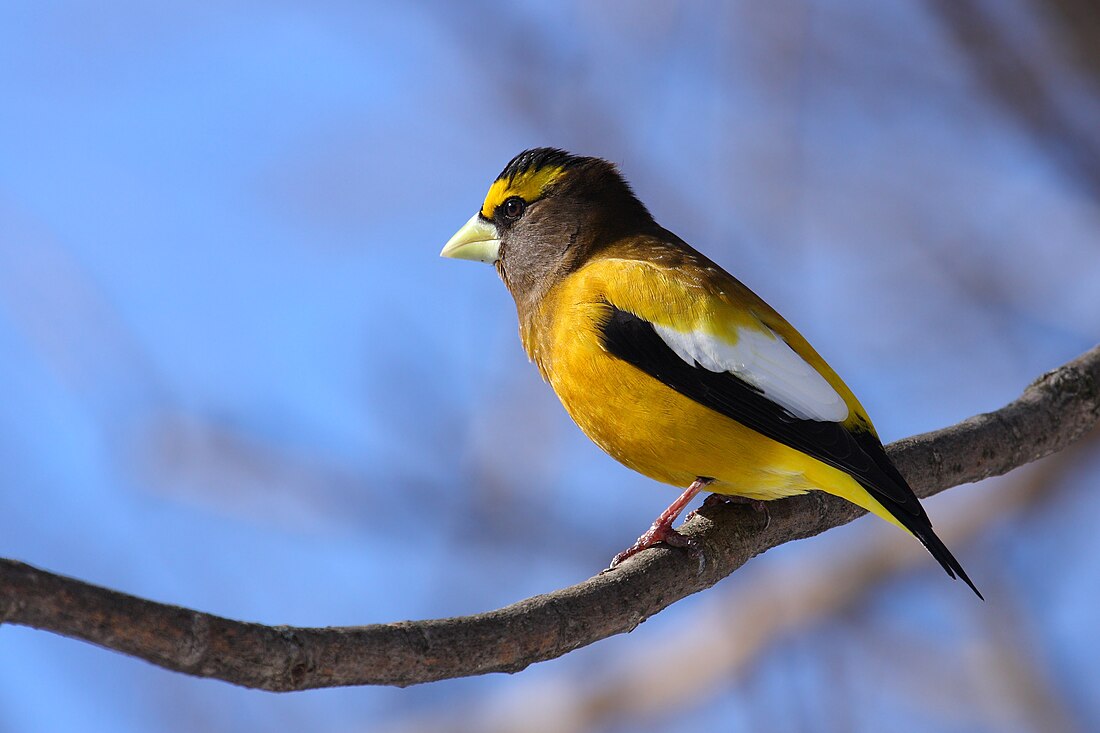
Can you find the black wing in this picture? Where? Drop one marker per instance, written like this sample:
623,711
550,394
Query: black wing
857,453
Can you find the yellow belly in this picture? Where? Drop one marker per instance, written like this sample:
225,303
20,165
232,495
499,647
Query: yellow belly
666,436
658,432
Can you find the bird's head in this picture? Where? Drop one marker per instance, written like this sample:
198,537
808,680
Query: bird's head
544,215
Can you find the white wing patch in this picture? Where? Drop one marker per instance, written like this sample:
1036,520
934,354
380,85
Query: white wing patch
764,360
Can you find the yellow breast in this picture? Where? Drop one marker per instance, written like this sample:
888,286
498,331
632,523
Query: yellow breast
643,423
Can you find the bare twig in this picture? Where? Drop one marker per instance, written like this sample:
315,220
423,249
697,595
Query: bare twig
1052,413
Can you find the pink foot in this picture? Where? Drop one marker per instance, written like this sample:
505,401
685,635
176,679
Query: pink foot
662,531
655,535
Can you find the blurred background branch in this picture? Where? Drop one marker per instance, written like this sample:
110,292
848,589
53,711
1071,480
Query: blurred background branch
1026,89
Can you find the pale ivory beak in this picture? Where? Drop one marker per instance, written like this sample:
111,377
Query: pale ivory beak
477,240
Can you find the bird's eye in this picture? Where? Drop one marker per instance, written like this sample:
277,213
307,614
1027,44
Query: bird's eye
513,208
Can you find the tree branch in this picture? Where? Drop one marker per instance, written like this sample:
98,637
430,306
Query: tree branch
1053,412
629,690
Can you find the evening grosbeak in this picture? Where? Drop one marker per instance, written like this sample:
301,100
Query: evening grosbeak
666,361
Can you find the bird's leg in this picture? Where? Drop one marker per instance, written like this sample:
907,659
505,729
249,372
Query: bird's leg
661,529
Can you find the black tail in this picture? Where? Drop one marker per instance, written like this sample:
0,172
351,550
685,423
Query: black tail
894,493
920,525
939,551
943,555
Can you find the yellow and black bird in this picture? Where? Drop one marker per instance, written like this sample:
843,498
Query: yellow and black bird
666,361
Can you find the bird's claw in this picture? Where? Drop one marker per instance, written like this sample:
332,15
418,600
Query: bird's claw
716,500
762,506
712,501
667,535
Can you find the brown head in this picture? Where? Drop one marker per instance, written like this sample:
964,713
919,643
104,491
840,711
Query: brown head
544,216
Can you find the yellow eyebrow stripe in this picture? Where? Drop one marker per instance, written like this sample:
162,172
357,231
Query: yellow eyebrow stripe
528,185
